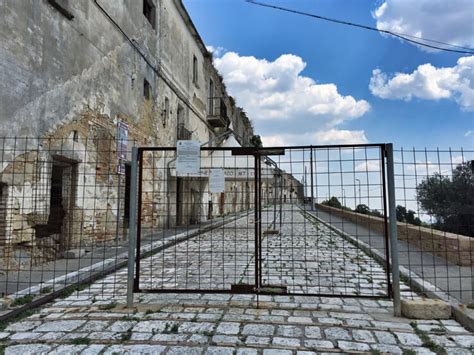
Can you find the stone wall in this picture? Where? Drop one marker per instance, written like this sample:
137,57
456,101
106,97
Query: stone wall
458,249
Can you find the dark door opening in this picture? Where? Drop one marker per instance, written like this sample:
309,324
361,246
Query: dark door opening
221,203
59,225
209,210
179,201
195,207
247,195
3,212
56,208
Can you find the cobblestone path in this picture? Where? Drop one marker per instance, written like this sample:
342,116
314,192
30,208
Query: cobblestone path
226,324
309,258
213,260
94,320
304,257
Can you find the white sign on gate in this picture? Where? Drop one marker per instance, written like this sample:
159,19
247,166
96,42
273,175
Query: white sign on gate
216,180
188,161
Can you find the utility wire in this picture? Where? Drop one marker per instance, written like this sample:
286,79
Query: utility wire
395,34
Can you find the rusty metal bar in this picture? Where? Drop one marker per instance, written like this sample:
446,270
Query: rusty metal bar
139,221
132,238
393,231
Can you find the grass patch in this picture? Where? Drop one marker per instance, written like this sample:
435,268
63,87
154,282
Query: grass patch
20,301
438,330
81,341
46,290
427,342
173,329
68,291
127,335
408,352
130,318
105,307
208,333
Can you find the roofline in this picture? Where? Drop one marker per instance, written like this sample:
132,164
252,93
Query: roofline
189,23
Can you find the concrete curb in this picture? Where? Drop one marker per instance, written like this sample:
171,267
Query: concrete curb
460,313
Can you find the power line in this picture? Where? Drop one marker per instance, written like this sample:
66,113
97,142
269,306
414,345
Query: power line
402,36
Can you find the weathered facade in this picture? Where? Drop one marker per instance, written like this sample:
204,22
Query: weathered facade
71,72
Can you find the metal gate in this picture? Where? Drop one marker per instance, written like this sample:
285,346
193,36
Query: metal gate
306,220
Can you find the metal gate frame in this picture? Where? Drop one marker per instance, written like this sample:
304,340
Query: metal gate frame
386,154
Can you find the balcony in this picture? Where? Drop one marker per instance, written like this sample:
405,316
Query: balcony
183,133
217,113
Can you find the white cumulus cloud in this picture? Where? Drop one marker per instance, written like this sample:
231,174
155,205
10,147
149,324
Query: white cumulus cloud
368,166
448,21
276,90
429,83
332,136
216,51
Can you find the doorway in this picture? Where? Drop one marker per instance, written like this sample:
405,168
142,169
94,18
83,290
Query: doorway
3,212
59,225
179,201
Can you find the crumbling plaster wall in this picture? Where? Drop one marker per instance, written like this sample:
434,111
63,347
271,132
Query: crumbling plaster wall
54,67
60,78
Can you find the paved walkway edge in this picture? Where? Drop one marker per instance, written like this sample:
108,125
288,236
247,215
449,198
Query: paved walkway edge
102,268
460,313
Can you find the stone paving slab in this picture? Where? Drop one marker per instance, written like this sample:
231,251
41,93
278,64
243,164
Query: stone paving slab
304,257
155,327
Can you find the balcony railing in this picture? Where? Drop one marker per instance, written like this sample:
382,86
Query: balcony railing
217,112
183,133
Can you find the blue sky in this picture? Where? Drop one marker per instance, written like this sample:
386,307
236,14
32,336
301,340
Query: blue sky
291,102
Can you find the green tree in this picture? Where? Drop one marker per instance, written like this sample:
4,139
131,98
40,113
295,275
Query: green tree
363,209
256,141
376,213
332,202
450,200
407,216
401,213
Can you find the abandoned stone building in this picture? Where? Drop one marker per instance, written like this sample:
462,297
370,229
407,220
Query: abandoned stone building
81,82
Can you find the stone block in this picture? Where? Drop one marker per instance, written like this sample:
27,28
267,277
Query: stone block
23,236
74,253
426,309
19,222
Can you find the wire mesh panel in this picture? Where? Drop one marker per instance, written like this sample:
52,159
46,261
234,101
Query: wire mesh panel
63,211
209,243
299,220
307,247
270,227
435,213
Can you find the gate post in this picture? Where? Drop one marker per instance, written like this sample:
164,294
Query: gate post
132,226
393,230
312,184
